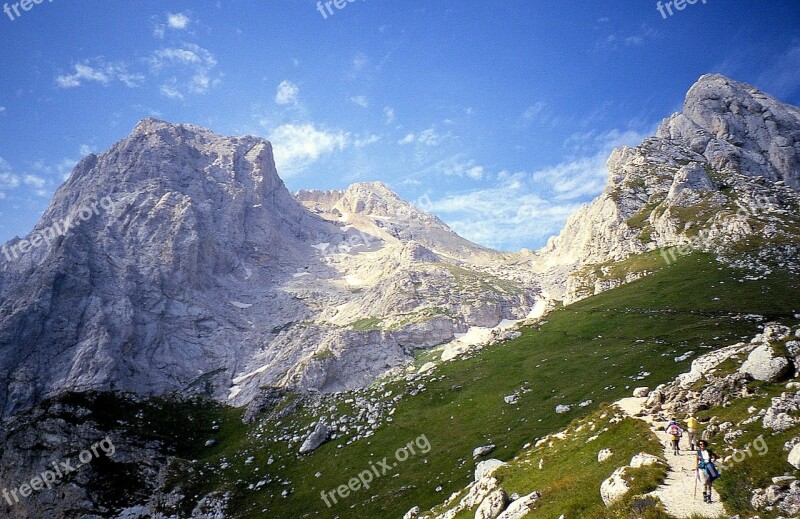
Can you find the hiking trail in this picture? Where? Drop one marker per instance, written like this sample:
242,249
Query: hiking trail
677,492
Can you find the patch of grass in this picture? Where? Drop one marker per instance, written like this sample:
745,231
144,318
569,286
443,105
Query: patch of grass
479,281
366,324
570,475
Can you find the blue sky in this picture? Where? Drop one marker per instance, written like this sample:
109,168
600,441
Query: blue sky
496,116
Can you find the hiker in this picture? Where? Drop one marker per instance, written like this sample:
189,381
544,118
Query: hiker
707,472
691,429
675,432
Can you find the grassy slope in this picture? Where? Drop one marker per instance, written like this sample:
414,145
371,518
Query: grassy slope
590,350
570,477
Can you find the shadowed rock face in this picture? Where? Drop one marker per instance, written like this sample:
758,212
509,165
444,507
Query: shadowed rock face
200,272
138,297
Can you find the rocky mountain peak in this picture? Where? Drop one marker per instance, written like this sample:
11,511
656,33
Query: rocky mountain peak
738,128
732,147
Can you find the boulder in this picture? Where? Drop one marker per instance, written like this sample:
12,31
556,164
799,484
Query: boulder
477,452
478,492
492,505
641,392
603,455
766,365
561,409
520,507
794,456
778,417
413,513
487,468
644,460
317,437
655,398
613,488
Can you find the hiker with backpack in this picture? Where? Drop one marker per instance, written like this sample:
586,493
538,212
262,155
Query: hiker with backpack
675,432
707,472
691,428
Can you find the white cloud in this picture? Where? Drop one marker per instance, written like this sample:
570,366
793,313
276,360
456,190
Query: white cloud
170,89
388,112
65,167
33,180
366,141
2,109
178,20
542,200
533,110
485,216
429,137
297,146
192,68
455,166
585,175
287,93
99,72
8,180
82,73
38,184
408,139
616,41
360,101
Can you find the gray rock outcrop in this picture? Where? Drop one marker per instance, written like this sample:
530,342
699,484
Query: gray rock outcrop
766,365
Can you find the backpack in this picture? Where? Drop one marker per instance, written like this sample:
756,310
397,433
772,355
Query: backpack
674,430
708,466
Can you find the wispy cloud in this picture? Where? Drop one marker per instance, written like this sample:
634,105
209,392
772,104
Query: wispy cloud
287,93
542,199
485,216
388,114
782,75
429,137
360,101
190,69
619,40
95,71
532,111
455,166
8,180
298,146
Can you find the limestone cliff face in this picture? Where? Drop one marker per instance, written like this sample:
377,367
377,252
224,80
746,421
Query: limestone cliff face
200,272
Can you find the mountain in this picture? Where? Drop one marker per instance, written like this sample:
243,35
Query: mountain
725,169
193,269
251,352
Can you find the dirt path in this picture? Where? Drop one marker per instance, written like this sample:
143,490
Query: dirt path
677,492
